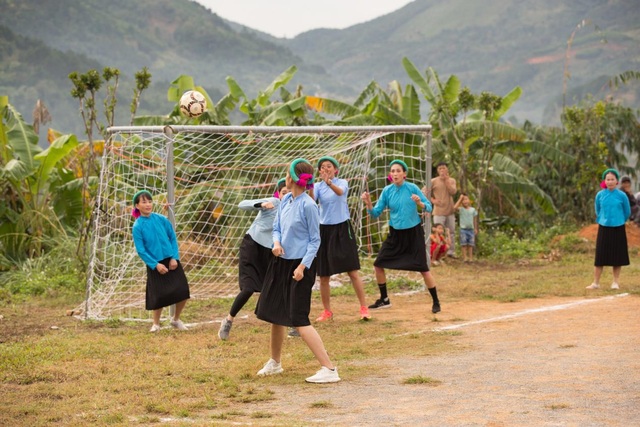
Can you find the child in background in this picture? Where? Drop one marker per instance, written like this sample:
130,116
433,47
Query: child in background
439,243
468,226
255,252
285,299
156,243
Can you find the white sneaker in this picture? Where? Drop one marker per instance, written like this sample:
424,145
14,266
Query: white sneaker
154,328
271,368
324,375
614,285
593,286
177,324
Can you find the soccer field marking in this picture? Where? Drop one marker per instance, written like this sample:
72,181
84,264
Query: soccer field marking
525,312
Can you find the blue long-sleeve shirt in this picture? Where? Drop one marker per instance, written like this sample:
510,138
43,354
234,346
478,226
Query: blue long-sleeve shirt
297,228
403,210
262,226
612,207
155,239
333,208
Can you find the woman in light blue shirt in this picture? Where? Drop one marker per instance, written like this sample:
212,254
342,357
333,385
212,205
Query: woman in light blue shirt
612,211
338,251
285,299
404,247
255,252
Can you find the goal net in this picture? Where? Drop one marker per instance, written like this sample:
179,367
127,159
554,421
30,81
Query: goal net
199,174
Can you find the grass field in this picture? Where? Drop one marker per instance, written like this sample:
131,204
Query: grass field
57,370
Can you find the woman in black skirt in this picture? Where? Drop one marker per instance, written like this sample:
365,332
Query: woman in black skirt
338,251
255,252
612,211
405,247
286,293
156,244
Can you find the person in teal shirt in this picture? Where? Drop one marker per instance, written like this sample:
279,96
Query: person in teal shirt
405,247
612,211
156,244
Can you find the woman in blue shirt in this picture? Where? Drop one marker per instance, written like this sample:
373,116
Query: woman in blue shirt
405,247
285,299
156,244
612,211
338,251
255,252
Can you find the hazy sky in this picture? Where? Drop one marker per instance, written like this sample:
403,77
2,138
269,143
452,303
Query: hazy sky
288,18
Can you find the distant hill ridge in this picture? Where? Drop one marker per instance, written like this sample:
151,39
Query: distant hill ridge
490,45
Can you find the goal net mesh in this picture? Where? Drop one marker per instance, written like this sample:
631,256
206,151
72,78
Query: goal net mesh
198,175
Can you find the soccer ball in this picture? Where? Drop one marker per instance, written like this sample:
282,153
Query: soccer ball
193,103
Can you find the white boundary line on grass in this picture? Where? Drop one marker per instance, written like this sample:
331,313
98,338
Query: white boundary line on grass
522,313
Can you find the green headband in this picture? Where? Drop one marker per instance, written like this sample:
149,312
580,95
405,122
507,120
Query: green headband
295,177
135,196
613,171
328,159
280,182
401,163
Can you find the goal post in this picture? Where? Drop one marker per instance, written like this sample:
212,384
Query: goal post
198,175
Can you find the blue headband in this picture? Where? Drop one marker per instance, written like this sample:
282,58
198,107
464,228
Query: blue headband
613,171
401,163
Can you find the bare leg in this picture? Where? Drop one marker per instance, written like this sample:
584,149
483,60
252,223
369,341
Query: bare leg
179,307
358,286
311,337
156,316
428,279
325,292
616,273
277,338
380,276
597,272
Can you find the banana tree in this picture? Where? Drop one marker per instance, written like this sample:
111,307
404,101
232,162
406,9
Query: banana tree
30,213
470,136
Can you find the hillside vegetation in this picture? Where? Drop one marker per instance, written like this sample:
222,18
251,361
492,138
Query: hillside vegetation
493,46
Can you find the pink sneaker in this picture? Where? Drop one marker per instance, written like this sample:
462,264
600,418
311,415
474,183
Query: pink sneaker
364,313
325,315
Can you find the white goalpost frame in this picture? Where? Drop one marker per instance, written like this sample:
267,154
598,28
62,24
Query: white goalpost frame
191,161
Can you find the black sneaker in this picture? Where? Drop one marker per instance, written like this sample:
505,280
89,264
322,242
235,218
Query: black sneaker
380,303
435,308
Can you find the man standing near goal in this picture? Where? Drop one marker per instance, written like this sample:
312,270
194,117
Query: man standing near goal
443,188
404,247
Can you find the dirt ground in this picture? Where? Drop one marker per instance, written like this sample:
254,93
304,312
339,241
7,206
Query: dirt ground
633,234
539,362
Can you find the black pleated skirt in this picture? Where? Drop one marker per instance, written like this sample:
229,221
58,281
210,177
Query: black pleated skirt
253,264
404,250
611,247
338,252
167,289
284,301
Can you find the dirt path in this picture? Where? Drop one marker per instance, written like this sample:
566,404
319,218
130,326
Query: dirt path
520,364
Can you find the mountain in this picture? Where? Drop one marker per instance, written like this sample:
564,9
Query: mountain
491,45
